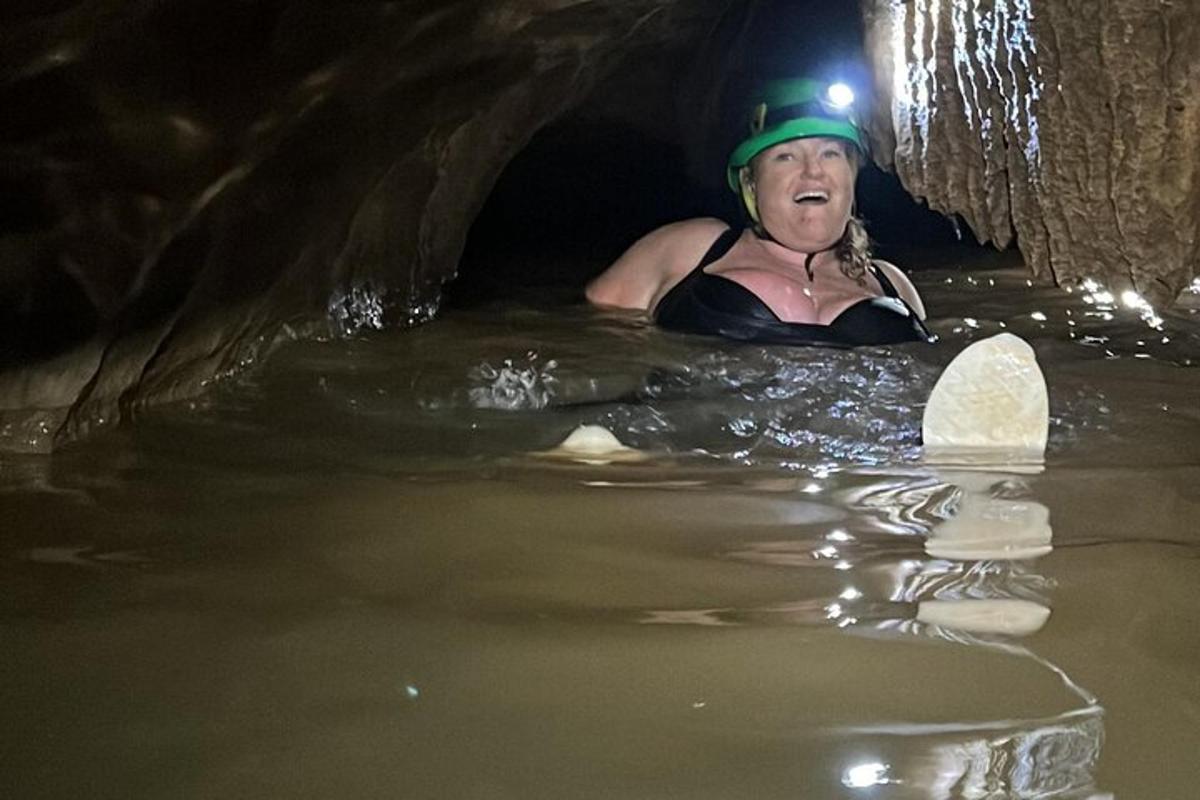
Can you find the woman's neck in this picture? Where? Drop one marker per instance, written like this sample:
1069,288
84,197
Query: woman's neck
795,258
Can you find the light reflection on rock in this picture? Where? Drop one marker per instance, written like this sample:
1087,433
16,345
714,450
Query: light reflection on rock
1027,98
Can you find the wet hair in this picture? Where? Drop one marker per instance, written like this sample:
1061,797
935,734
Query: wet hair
853,250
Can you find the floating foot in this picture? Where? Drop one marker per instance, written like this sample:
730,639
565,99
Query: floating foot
989,405
593,444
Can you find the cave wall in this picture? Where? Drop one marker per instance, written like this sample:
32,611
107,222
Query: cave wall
1073,125
182,183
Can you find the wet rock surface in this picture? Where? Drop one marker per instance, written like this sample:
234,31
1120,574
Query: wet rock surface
178,179
1070,126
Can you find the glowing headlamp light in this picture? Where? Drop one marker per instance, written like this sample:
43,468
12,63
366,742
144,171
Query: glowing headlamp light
836,101
840,95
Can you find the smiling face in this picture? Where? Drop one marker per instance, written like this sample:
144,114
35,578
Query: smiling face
804,189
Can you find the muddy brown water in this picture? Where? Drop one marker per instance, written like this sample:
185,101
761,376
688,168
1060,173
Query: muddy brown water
343,575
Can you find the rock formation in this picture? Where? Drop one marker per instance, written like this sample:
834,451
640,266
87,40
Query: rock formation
1071,124
182,183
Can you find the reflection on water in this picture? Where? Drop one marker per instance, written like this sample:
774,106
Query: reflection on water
348,575
973,586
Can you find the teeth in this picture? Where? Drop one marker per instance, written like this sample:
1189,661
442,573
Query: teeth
815,195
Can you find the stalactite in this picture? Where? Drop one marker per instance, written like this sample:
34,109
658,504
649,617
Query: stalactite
1069,123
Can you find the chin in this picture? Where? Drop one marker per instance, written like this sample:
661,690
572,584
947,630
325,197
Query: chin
809,235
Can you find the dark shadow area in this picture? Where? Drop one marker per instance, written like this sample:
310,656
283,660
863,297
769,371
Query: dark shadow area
571,202
899,223
44,310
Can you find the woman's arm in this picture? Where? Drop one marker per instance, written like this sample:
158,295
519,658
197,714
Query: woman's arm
654,264
903,285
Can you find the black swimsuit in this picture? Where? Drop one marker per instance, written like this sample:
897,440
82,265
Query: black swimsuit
715,305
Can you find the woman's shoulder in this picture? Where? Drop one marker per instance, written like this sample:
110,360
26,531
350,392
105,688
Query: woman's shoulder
698,225
904,286
655,263
682,239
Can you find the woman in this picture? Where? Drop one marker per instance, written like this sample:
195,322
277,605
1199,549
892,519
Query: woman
802,273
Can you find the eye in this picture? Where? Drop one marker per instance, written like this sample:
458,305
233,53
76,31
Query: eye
832,152
784,155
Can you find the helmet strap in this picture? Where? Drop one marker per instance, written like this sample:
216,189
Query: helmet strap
749,199
808,270
762,233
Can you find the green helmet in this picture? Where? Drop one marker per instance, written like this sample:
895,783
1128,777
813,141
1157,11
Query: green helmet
796,108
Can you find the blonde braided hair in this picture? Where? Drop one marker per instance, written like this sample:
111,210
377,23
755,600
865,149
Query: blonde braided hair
854,251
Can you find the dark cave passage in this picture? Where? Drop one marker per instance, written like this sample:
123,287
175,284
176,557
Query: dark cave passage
571,202
637,154
584,190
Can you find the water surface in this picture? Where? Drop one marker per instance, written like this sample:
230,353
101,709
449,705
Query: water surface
344,575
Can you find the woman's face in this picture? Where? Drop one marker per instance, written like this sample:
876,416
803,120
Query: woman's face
805,189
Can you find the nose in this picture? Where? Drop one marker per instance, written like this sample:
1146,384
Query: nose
811,165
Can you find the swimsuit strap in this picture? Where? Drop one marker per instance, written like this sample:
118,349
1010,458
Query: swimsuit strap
720,247
890,290
885,283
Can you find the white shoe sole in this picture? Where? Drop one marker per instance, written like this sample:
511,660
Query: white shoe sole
990,404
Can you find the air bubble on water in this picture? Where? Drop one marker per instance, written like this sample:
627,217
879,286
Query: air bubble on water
513,386
356,309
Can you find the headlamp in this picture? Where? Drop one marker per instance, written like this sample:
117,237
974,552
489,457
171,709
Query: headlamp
840,95
836,102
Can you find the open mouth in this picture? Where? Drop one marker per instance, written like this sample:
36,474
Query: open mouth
813,197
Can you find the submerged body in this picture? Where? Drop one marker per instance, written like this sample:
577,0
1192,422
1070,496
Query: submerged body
728,302
796,276
803,261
